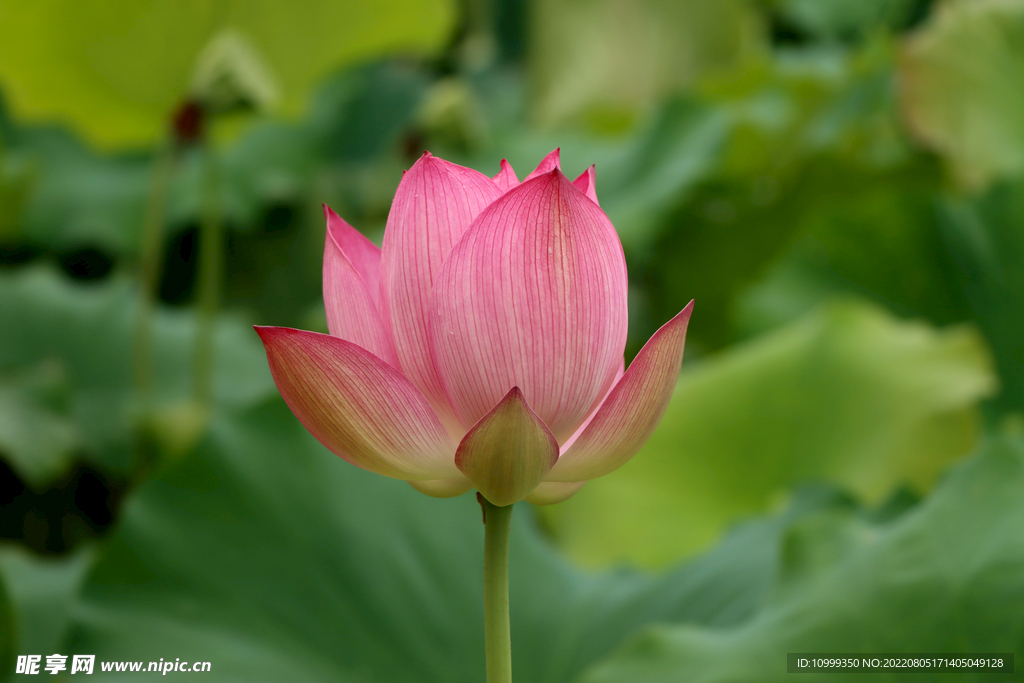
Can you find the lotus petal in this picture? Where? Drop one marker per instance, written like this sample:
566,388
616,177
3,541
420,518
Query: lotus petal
358,406
586,183
579,430
442,488
351,284
507,453
622,425
534,296
547,164
506,178
434,204
551,492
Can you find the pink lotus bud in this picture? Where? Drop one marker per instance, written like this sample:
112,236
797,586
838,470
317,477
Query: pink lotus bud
482,346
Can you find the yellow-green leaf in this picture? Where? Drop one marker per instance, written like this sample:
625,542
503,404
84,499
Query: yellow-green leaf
609,60
962,82
114,70
849,394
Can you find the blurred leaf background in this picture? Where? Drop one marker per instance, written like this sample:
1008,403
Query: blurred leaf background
839,184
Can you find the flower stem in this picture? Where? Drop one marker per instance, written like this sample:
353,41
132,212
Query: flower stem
211,257
497,636
149,273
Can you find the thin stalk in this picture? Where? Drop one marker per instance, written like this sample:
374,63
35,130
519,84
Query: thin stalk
149,273
497,636
479,46
211,259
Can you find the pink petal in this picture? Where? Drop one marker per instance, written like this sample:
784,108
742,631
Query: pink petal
579,430
586,183
358,406
435,203
442,488
632,410
506,178
507,453
547,164
534,296
551,492
351,283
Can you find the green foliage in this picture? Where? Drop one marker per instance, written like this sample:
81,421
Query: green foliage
66,386
74,198
56,193
963,87
869,233
605,62
115,71
844,19
947,576
7,629
847,395
362,573
817,192
42,592
268,556
986,236
764,157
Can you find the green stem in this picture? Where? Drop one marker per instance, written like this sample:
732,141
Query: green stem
149,273
211,257
497,636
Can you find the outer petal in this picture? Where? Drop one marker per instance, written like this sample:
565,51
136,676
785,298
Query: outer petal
435,203
358,406
547,164
551,492
586,183
351,283
579,430
507,453
506,178
442,488
632,410
533,296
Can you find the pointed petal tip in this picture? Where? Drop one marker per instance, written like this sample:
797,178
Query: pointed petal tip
336,225
268,332
508,452
358,406
586,183
548,163
514,394
506,179
683,315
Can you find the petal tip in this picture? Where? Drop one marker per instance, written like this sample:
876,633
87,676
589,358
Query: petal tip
508,451
268,332
684,315
548,163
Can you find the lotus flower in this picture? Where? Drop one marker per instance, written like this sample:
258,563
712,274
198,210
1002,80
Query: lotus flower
482,346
